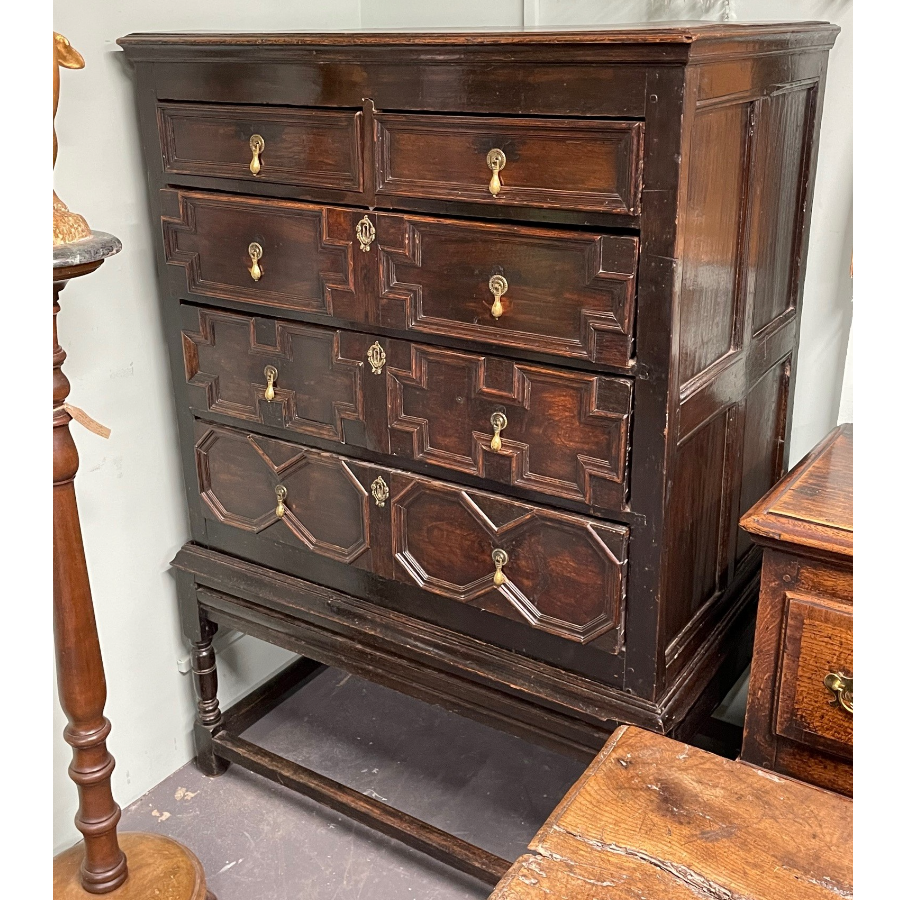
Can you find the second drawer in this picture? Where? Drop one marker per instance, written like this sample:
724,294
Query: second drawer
553,431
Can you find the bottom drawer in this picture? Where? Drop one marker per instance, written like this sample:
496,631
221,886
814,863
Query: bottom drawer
558,573
817,651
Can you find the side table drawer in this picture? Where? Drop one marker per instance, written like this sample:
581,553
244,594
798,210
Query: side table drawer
818,642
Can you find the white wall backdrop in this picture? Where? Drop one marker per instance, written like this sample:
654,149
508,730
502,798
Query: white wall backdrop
130,487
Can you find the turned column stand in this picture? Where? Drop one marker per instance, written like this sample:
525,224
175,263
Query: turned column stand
128,866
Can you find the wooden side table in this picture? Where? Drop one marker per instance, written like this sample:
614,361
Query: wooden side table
655,819
800,701
129,866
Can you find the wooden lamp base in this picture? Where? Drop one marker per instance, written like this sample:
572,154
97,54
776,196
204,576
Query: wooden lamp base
158,867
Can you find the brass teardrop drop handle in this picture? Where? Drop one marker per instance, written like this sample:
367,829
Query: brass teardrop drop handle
498,286
256,252
257,145
841,686
280,497
500,559
498,423
496,160
271,374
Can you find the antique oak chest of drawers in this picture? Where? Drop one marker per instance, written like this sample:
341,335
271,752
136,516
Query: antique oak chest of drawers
481,345
800,702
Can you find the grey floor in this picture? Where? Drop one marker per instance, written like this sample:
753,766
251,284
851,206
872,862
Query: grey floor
259,841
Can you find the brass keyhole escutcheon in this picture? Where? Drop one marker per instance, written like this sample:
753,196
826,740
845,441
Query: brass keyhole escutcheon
500,559
380,491
271,374
365,233
256,252
257,145
496,160
498,423
377,358
841,686
280,496
498,286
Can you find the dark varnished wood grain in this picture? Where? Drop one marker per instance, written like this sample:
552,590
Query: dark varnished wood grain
567,433
318,389
311,148
308,252
546,702
806,34
778,202
570,294
565,573
804,628
658,299
715,205
570,164
326,506
655,819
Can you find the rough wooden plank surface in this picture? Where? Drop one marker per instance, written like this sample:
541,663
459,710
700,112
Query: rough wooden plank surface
654,819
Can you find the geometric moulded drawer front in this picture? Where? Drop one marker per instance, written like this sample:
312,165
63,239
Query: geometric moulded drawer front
316,148
559,573
562,574
560,292
294,256
563,433
323,506
560,433
250,366
564,293
546,162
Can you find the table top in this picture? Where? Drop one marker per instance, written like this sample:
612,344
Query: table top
655,819
811,508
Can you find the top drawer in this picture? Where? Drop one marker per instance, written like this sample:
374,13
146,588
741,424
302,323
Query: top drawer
315,148
572,164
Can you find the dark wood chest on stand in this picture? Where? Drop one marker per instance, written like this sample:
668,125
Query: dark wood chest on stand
481,345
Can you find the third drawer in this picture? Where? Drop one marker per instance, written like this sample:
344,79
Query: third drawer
550,431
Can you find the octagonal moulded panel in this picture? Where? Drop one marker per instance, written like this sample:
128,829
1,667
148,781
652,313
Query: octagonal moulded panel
325,506
236,480
565,574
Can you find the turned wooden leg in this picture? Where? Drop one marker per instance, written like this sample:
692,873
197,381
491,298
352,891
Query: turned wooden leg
79,666
206,685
